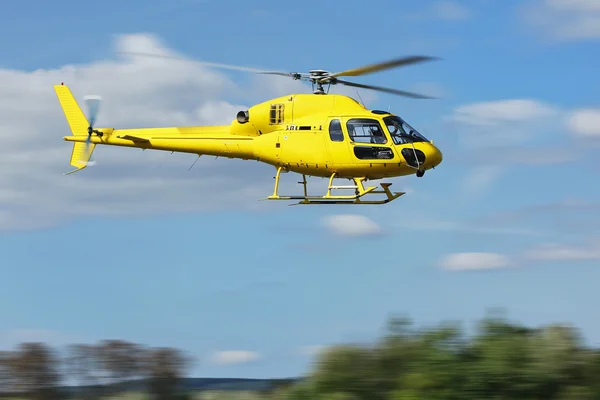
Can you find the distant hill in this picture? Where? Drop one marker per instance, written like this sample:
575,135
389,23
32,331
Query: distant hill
208,384
236,384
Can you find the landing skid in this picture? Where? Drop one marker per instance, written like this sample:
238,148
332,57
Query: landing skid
359,190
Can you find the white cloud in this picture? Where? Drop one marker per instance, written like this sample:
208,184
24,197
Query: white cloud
232,357
450,10
564,19
558,252
493,113
574,5
590,251
585,122
511,122
352,225
485,127
506,156
474,261
429,223
137,92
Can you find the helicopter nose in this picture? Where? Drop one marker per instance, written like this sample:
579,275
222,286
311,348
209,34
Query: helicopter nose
434,158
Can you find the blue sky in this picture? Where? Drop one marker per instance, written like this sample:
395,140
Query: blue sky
142,249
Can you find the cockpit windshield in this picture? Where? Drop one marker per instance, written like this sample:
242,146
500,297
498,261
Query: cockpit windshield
402,132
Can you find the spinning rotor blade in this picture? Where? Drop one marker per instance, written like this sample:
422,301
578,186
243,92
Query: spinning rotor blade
386,90
294,75
92,104
207,63
369,69
318,77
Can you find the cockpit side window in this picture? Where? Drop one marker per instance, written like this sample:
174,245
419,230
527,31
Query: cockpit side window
402,132
399,135
365,130
335,131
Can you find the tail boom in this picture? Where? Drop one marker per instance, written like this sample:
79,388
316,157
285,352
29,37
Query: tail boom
201,140
205,140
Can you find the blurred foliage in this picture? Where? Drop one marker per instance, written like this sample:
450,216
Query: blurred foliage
35,371
501,360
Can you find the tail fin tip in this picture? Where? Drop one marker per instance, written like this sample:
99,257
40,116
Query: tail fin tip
81,156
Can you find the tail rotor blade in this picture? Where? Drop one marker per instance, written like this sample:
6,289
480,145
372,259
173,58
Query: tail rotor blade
92,104
88,157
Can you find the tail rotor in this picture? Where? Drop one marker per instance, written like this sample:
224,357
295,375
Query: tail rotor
92,103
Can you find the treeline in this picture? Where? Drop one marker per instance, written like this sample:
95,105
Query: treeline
499,360
37,371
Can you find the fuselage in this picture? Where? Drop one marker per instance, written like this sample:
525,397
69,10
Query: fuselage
321,134
310,134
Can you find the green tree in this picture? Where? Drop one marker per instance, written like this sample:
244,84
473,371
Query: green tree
34,368
120,359
434,370
303,390
503,360
348,369
164,368
7,380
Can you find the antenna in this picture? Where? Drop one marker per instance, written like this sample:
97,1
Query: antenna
192,166
361,100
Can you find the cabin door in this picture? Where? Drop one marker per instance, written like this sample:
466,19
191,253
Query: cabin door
337,143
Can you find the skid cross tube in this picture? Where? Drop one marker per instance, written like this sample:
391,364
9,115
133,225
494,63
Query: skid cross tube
359,191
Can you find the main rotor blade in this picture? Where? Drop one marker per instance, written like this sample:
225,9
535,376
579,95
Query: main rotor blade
386,90
293,75
369,69
207,63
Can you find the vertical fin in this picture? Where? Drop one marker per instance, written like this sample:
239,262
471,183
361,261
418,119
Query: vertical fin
82,152
73,113
80,156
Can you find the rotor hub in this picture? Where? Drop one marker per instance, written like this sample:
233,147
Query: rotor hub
319,72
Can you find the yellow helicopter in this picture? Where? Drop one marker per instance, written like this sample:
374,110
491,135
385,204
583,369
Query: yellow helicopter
320,134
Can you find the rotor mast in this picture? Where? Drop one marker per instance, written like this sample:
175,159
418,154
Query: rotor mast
318,77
